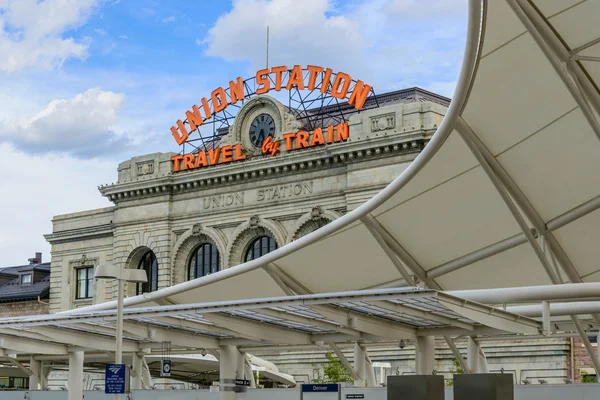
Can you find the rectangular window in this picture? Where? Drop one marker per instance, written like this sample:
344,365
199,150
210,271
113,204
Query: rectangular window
26,278
85,283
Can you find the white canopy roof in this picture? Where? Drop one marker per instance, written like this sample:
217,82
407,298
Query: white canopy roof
505,194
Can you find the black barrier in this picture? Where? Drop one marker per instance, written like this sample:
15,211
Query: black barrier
416,387
484,387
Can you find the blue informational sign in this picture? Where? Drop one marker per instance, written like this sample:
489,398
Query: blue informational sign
116,378
315,388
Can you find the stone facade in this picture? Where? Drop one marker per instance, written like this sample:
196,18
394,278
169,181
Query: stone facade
283,197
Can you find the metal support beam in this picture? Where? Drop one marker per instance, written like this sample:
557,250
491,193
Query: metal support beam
257,330
423,314
31,346
425,355
344,360
469,137
523,203
546,318
555,51
399,251
158,334
512,242
85,340
387,250
308,321
20,366
272,271
146,376
463,363
478,255
289,281
371,325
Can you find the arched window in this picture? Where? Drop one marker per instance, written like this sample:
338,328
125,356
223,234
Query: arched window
149,264
259,247
205,260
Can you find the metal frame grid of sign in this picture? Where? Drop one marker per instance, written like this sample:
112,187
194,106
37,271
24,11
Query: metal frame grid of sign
317,97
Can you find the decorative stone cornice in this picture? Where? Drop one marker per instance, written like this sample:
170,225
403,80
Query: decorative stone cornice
97,231
259,168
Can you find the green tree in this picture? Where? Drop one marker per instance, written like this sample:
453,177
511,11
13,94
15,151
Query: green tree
587,378
456,370
332,371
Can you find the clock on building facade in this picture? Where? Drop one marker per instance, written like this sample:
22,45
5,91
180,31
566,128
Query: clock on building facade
261,127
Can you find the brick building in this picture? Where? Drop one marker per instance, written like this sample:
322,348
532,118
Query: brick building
24,289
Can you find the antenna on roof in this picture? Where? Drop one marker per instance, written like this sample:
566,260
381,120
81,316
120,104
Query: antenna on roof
267,46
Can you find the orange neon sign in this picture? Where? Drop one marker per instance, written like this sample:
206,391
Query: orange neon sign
318,77
293,141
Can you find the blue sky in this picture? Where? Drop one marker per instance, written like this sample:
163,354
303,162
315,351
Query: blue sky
90,83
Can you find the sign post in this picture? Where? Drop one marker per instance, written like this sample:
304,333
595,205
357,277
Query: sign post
117,379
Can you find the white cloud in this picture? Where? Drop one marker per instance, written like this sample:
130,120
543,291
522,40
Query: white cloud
300,31
31,33
101,32
390,44
81,125
169,19
42,187
124,37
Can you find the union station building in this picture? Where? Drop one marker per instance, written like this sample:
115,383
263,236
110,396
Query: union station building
179,224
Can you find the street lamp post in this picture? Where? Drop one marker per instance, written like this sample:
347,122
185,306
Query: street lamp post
122,275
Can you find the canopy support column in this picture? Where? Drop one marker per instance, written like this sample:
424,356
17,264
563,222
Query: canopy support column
136,373
75,378
44,372
476,359
472,356
425,355
359,364
370,371
463,363
36,372
248,374
240,370
146,376
228,368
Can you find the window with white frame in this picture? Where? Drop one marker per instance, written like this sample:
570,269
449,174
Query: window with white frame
85,283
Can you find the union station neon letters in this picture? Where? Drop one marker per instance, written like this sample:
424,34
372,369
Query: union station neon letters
317,78
293,141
